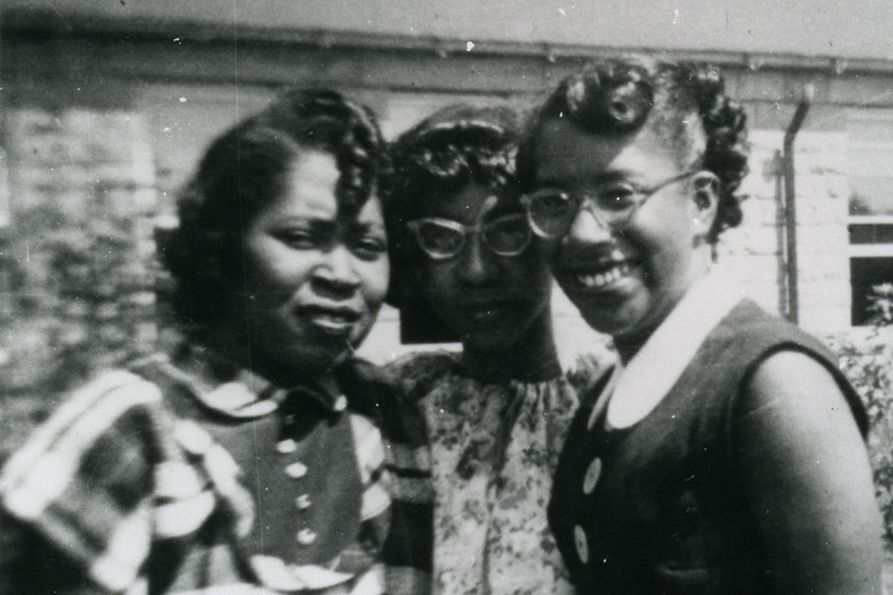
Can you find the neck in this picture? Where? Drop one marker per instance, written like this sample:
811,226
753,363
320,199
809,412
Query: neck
236,348
629,344
532,358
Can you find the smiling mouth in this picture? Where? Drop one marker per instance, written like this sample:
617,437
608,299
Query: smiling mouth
604,278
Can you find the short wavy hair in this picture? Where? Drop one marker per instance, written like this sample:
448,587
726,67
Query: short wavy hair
620,96
246,169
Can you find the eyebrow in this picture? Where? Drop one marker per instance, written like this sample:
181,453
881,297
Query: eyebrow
598,179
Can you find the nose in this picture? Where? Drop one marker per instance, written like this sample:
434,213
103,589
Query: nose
587,227
476,265
337,274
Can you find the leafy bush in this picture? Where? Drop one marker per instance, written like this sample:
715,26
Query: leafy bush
868,364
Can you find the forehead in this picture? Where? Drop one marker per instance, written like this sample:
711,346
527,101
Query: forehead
309,191
566,154
473,201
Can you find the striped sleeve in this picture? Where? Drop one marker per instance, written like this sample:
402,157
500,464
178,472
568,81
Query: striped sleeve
85,482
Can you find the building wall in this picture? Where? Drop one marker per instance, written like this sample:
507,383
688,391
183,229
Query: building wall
103,121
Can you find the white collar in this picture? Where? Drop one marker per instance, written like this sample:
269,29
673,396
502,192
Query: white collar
652,372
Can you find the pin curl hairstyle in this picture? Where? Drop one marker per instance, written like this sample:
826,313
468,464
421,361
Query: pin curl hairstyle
246,169
684,103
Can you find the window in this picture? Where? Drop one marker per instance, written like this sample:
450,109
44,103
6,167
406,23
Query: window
870,168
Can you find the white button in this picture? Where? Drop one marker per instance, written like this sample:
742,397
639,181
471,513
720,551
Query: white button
340,403
593,472
287,446
306,536
296,470
581,543
303,501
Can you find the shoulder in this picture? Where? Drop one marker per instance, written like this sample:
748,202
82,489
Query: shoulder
417,373
87,415
112,408
791,391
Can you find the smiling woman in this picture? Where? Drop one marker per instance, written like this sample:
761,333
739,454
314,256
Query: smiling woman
248,459
723,452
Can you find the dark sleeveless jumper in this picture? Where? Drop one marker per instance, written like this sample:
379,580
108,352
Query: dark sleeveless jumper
658,507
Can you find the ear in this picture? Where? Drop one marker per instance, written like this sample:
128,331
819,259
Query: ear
705,196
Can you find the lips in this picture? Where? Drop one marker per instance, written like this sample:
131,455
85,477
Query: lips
485,311
336,321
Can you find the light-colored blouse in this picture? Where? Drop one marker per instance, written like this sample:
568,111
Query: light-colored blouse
493,450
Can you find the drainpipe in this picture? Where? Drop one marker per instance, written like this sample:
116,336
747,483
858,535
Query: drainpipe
792,308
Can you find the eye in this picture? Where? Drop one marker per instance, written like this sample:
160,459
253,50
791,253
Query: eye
617,197
369,246
301,239
439,238
508,234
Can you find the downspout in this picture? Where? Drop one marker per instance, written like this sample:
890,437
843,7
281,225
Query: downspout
792,307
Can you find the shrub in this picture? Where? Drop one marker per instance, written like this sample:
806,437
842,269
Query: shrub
868,364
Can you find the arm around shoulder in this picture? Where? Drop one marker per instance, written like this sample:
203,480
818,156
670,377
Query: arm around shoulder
806,473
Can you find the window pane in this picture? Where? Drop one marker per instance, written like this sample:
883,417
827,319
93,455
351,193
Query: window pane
869,156
865,273
871,195
871,233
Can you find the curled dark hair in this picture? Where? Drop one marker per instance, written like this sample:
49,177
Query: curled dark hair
619,97
245,170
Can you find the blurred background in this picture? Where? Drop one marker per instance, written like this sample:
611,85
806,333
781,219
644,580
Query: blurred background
105,106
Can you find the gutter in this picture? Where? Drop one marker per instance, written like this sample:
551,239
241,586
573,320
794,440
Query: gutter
792,305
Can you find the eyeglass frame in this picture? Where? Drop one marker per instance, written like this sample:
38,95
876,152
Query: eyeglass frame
466,231
586,202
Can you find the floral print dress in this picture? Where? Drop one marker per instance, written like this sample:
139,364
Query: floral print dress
493,449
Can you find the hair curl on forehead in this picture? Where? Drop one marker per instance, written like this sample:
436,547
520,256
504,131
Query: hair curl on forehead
684,103
245,170
453,147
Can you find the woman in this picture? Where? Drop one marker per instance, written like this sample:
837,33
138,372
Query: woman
723,454
243,462
496,413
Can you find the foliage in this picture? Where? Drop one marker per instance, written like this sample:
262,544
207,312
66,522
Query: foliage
868,364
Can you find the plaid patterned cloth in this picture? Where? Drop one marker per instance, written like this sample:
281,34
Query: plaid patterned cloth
128,488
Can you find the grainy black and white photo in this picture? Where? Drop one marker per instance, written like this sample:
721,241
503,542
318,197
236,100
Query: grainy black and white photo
443,297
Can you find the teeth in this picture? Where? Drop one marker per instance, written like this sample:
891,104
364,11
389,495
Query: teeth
600,280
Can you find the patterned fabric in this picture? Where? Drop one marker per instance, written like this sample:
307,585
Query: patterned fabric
493,448
148,480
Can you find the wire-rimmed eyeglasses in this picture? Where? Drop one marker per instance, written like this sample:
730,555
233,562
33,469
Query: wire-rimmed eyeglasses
551,212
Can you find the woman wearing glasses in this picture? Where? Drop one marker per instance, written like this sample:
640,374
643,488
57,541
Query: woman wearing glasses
723,453
496,413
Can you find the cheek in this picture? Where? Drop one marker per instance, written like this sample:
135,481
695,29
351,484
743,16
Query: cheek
436,281
374,278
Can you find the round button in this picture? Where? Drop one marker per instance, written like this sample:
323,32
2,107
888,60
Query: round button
286,446
306,536
303,501
340,403
593,472
296,470
581,544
